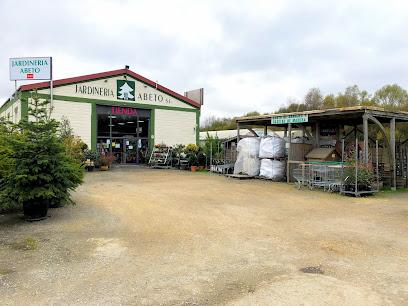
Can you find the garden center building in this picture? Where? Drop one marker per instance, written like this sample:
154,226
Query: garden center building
118,111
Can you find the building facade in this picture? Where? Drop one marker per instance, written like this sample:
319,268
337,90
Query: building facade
116,111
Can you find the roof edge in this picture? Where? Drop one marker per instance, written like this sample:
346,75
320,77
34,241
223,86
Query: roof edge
319,111
108,74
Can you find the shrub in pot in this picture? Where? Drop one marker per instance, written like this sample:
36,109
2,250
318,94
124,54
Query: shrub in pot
178,150
201,159
106,161
42,173
193,161
93,156
365,173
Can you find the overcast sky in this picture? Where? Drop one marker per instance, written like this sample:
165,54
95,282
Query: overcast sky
247,55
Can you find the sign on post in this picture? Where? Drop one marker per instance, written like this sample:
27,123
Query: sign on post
30,68
289,119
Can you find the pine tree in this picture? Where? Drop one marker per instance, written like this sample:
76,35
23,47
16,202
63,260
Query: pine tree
41,174
125,94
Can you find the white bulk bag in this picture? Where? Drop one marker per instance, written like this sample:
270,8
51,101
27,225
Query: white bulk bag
272,147
273,169
251,166
249,146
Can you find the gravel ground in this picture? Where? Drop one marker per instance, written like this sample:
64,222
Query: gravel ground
163,237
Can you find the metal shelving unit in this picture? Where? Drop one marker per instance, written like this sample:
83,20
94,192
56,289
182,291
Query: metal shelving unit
161,157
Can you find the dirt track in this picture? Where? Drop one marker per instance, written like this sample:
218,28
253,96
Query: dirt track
142,236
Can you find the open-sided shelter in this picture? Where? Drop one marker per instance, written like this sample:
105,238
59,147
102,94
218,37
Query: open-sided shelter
331,121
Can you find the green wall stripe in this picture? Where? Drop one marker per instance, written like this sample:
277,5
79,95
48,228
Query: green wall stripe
6,106
198,128
24,109
108,102
152,130
94,123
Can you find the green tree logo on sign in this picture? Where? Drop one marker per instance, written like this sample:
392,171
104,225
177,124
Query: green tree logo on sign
125,90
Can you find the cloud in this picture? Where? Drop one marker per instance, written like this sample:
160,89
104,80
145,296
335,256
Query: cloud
248,55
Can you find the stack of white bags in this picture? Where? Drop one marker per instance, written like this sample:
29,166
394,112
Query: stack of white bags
272,147
247,160
257,156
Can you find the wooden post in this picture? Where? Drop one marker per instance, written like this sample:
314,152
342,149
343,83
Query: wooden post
237,133
365,129
393,166
337,133
289,152
265,131
285,132
317,135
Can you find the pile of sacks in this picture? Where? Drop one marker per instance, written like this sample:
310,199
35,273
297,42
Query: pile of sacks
247,159
258,156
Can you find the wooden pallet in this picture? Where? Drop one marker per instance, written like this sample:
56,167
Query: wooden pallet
240,176
268,179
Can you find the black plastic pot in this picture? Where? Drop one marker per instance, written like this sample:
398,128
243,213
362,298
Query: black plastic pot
177,166
35,210
91,168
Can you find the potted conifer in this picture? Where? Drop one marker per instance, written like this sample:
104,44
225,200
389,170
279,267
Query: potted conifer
92,156
42,173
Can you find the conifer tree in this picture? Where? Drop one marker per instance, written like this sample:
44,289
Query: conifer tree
41,174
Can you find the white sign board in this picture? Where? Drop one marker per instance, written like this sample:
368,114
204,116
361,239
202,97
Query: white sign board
30,68
289,119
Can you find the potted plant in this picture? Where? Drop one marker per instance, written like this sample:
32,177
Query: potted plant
91,156
106,161
192,161
365,173
201,159
41,173
191,149
178,150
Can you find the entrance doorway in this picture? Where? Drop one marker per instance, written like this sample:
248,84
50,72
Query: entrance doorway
124,132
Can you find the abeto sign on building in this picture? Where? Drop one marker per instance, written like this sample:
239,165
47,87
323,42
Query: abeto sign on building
118,112
30,68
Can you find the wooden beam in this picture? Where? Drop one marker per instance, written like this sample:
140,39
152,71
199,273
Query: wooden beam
250,129
365,128
317,135
289,152
301,126
389,145
370,138
394,171
238,136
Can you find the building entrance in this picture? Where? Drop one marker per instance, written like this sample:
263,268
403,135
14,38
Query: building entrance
124,132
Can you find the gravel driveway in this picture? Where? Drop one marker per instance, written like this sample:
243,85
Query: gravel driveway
141,236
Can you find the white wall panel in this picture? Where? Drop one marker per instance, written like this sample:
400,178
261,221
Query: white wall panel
79,116
174,127
11,112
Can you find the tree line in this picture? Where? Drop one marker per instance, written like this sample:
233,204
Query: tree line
392,97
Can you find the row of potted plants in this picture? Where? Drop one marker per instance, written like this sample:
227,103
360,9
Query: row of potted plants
94,158
192,154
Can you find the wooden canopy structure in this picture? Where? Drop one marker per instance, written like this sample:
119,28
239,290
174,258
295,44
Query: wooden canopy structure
316,119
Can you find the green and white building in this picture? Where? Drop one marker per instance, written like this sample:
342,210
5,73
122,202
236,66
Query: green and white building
117,111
